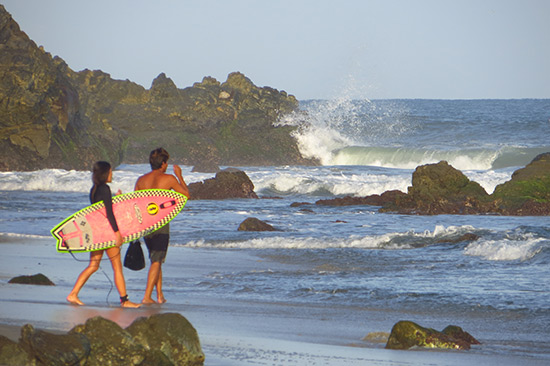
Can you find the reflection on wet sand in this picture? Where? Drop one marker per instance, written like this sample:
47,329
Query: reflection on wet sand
74,315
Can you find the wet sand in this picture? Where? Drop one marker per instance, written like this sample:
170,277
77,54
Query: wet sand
231,332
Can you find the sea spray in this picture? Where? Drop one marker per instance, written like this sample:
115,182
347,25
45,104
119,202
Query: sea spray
326,127
405,134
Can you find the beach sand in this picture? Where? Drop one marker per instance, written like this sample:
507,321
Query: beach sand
231,332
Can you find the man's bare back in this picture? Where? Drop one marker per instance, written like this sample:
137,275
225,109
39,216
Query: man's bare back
158,179
158,244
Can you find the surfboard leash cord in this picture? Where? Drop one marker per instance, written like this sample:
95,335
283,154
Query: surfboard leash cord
104,273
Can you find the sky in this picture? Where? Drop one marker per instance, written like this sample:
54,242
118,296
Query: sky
356,49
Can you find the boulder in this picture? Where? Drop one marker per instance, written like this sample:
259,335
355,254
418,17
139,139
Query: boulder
254,224
171,335
407,334
37,279
54,349
226,184
527,193
160,340
11,353
457,333
110,344
441,189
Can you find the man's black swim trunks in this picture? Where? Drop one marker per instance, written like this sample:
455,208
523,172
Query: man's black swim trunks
157,244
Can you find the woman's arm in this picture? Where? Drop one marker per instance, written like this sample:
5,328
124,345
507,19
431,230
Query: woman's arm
103,193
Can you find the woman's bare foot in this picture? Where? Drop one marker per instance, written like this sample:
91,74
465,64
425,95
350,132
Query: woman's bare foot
73,299
129,304
161,300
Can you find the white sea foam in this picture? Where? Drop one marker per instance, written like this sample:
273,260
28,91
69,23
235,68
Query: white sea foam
328,180
397,240
59,180
506,249
8,236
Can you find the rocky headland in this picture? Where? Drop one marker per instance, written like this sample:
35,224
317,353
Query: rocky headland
441,189
54,117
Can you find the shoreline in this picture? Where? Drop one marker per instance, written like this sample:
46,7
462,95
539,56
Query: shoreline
232,332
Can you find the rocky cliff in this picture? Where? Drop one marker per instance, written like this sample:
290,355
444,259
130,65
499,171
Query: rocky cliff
41,119
54,117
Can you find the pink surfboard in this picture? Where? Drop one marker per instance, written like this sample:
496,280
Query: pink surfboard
137,214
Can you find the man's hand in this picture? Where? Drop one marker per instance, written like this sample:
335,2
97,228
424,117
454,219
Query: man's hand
177,170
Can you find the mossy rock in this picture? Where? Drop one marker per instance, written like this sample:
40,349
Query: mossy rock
55,349
407,334
442,181
110,344
172,335
529,184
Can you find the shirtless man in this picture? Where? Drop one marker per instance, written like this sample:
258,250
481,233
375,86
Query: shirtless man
157,242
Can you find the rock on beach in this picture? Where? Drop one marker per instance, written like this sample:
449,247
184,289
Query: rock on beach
162,340
37,279
406,334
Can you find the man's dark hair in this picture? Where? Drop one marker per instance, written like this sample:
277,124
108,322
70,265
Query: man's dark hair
157,157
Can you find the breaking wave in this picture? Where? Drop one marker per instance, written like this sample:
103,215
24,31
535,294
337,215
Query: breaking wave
390,241
347,132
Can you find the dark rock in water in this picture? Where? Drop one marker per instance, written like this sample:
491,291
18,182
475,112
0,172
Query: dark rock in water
406,334
441,189
37,279
12,354
254,224
299,204
172,335
226,184
372,200
55,349
457,333
528,192
465,237
110,344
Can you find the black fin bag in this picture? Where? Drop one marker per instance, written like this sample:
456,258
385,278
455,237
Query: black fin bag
134,258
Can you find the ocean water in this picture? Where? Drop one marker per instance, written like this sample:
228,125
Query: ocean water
497,287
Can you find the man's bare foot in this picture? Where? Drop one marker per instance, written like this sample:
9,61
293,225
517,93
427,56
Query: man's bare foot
74,300
129,304
161,300
148,301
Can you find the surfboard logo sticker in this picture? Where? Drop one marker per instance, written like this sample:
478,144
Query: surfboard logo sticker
152,208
